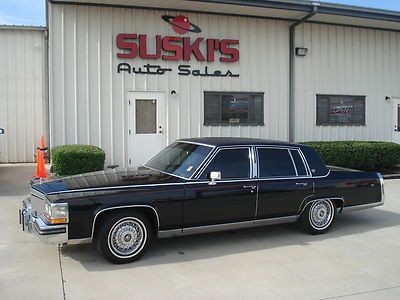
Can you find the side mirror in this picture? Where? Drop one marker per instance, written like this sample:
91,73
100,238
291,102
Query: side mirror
214,176
2,131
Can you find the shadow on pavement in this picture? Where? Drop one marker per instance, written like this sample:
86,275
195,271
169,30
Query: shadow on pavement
206,246
14,179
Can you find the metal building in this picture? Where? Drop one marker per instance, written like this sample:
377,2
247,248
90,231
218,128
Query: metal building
132,76
23,91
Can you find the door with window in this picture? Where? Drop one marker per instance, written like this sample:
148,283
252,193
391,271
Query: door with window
231,199
396,121
146,126
284,182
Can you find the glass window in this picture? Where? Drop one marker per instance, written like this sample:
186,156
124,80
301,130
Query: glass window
233,108
275,163
340,110
181,159
315,162
232,163
301,169
146,116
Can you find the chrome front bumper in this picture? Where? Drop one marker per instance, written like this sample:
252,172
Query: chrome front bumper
48,234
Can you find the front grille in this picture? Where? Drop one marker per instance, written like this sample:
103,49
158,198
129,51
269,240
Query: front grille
38,202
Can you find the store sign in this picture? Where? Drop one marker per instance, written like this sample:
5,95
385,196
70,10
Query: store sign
176,48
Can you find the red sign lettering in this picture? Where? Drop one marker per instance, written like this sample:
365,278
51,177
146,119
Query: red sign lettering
177,48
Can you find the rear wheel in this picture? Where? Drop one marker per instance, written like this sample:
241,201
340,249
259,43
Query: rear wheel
124,237
318,217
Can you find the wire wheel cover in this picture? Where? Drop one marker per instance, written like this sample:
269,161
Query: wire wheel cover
321,214
126,237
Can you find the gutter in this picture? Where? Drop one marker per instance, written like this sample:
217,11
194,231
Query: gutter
325,8
292,30
22,27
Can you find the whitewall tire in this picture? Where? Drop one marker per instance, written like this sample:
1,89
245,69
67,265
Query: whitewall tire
318,216
124,237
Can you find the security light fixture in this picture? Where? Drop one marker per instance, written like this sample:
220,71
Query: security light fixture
301,51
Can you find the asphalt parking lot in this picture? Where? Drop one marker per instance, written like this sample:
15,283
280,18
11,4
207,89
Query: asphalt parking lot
358,259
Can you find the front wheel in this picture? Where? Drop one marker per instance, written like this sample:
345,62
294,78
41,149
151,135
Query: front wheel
124,237
318,217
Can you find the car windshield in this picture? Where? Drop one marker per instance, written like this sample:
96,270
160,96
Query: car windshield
179,159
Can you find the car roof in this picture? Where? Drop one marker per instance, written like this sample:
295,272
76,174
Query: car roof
235,141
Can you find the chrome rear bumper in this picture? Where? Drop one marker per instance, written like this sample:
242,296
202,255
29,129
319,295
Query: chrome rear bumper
48,234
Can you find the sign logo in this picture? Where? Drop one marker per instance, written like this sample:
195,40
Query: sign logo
176,48
181,24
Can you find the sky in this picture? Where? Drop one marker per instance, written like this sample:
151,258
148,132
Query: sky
32,12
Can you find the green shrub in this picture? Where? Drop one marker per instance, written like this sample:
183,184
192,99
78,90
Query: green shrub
358,155
77,159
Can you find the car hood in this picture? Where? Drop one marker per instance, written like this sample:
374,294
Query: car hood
105,180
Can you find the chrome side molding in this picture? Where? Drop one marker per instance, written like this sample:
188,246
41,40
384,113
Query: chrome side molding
119,207
225,227
361,207
79,241
382,188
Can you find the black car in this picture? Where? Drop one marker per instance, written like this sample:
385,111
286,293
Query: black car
193,186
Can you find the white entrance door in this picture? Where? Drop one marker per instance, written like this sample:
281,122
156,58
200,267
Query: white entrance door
396,121
146,126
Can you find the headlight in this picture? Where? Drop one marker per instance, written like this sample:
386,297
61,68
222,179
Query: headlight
56,213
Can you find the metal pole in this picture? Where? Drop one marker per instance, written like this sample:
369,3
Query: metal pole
292,68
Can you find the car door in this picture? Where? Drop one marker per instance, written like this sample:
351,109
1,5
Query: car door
231,199
284,182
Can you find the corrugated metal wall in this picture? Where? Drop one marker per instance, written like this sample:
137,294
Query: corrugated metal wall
346,61
88,99
22,92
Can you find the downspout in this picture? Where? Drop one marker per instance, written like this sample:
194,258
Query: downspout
292,30
49,108
46,85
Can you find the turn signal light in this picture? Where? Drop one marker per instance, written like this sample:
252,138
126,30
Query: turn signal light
56,213
57,220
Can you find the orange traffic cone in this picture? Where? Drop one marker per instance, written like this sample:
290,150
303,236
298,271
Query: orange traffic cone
44,149
40,167
42,144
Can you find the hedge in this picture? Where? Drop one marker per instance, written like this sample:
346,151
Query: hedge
77,159
366,156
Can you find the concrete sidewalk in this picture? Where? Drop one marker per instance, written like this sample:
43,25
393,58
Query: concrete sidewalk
357,259
28,269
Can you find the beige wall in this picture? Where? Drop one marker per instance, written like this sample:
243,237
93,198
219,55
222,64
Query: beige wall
346,61
22,92
89,99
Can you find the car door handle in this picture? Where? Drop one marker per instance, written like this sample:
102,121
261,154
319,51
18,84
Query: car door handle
302,183
253,187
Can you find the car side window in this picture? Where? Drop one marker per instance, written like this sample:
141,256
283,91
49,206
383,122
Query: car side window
275,163
301,168
232,163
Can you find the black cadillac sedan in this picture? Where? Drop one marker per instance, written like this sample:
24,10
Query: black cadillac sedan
194,186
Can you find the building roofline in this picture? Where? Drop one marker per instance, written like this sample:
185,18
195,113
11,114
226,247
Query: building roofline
305,6
323,8
22,27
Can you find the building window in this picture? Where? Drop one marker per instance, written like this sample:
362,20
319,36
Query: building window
340,110
233,108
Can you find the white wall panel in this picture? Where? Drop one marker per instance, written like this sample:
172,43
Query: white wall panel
22,92
346,61
89,98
